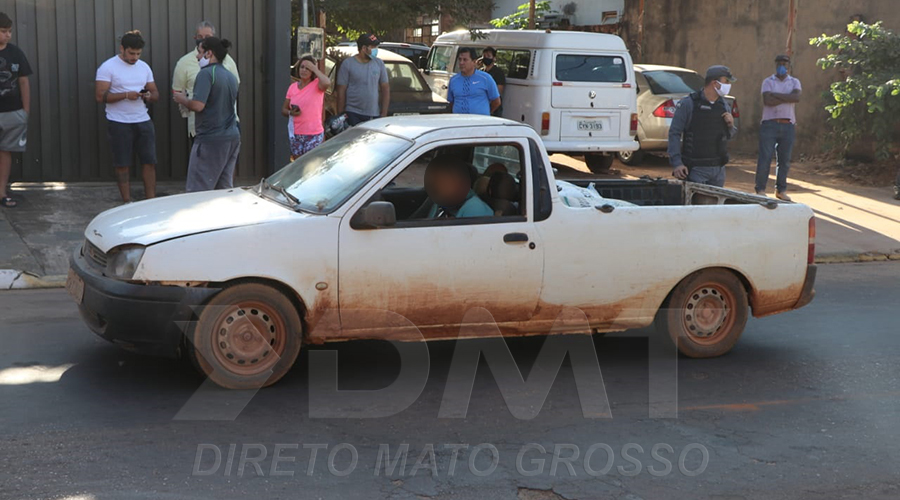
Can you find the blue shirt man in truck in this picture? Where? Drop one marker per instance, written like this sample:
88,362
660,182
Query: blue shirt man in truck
700,131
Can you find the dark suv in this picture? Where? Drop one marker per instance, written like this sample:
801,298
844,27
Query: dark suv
410,93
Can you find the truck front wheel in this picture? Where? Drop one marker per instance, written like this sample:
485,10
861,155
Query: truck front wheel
598,163
248,336
706,313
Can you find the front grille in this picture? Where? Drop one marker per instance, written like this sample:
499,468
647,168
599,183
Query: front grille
94,254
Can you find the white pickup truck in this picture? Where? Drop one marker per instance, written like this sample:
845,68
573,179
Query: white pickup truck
340,245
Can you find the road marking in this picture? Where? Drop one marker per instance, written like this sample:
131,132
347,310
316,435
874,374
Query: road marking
757,406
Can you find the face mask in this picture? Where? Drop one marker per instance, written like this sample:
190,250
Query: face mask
487,61
374,53
781,70
724,89
204,62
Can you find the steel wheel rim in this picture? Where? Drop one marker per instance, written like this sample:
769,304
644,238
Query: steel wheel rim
626,155
709,313
249,338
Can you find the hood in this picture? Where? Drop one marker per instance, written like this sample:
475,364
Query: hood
151,221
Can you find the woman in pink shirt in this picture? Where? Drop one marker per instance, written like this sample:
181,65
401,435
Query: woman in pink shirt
303,108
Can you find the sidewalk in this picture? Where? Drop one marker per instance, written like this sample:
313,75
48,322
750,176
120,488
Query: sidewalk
37,237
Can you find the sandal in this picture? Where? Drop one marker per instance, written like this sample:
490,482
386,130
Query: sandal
8,202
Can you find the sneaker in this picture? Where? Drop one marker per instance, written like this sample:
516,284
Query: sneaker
781,195
760,193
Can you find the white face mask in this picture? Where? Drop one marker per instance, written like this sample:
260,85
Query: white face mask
204,62
724,89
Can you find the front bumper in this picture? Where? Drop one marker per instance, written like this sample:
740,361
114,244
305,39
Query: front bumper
148,319
809,291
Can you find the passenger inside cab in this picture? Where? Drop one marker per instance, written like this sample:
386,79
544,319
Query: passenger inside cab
448,183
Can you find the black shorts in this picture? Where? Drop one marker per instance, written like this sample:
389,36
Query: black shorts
126,139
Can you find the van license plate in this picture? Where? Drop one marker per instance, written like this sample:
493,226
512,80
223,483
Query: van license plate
590,125
75,286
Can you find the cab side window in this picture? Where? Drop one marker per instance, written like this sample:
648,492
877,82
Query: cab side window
459,182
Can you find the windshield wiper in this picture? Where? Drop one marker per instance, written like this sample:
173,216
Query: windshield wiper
264,183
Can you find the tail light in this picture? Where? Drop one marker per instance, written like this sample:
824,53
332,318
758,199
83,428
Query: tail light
634,123
811,252
665,110
735,110
545,123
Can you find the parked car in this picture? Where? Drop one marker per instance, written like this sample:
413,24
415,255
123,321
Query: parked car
412,51
410,93
575,89
659,88
331,248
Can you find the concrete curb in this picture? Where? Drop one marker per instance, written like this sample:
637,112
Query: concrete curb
11,279
845,257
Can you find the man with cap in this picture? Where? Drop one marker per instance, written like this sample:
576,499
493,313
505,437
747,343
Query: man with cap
360,80
780,92
701,129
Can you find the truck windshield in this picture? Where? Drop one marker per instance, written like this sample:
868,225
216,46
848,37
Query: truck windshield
673,82
327,176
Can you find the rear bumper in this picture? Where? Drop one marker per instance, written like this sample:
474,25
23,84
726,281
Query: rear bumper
598,146
147,319
809,292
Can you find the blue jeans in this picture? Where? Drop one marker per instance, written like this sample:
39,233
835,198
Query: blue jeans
774,138
354,119
711,176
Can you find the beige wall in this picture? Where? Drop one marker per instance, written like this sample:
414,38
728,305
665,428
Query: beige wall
746,36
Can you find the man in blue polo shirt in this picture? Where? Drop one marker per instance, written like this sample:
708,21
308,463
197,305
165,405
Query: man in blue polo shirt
472,91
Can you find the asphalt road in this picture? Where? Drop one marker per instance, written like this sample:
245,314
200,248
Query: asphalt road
806,406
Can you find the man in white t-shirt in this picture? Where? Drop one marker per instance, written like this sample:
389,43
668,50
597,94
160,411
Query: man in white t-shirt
125,84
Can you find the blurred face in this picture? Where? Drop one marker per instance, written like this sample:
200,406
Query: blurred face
366,50
783,64
202,52
446,187
466,64
305,74
487,55
5,35
131,56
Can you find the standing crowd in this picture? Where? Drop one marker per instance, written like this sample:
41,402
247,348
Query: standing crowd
206,84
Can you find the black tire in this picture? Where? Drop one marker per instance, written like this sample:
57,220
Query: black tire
247,337
706,313
598,163
631,157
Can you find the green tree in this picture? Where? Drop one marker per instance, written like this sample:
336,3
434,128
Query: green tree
519,19
866,103
352,18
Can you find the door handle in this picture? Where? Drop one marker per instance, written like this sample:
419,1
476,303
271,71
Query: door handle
515,238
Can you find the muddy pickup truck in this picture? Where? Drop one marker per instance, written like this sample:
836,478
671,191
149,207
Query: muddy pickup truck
344,244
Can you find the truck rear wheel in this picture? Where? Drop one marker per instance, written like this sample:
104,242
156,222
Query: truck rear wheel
247,337
598,163
706,313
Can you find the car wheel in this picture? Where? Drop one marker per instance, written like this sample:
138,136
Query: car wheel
631,157
706,313
248,336
598,163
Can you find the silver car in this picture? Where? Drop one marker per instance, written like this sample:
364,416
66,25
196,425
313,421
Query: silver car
659,88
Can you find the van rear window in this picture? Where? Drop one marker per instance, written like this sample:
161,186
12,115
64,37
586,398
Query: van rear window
585,68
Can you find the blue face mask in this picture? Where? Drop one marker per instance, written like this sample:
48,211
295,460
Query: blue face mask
781,70
374,53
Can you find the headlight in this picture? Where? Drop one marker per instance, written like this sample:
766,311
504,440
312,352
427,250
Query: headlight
123,261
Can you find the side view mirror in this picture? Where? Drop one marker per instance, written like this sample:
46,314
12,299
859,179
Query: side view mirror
423,62
375,215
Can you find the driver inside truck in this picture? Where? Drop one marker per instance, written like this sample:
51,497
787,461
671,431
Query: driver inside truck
448,182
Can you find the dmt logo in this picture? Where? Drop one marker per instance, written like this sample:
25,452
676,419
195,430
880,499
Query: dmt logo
524,396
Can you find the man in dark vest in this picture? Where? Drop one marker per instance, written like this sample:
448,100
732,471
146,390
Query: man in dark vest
701,129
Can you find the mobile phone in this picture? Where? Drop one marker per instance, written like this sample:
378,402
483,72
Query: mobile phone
294,107
145,91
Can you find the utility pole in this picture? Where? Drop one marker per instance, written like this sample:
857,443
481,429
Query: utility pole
792,24
531,14
304,17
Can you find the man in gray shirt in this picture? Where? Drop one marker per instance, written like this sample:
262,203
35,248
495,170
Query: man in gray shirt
359,81
218,141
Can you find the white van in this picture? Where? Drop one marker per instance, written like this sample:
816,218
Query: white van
576,89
